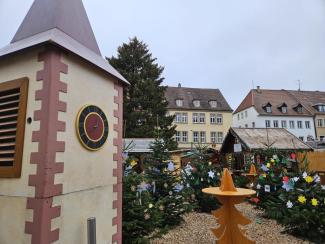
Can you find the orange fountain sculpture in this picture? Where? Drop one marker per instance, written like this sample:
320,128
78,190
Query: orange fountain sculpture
228,216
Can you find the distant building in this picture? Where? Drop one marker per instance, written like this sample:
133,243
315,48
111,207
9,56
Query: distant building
292,110
314,102
201,115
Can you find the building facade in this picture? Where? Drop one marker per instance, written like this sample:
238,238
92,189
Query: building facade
292,110
202,116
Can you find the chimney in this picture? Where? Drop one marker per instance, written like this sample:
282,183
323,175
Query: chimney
179,85
258,89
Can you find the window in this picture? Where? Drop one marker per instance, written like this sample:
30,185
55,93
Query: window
178,118
267,123
213,104
178,136
301,138
284,109
307,124
195,136
13,100
321,108
219,119
241,115
198,118
299,124
238,116
213,137
220,137
292,124
213,119
322,138
253,124
319,123
284,124
184,136
202,136
179,102
299,108
246,114
202,118
195,118
196,103
246,125
275,123
268,109
184,118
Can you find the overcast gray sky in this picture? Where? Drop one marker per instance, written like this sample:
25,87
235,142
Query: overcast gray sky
226,44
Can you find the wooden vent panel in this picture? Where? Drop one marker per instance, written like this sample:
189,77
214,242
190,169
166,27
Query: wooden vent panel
13,100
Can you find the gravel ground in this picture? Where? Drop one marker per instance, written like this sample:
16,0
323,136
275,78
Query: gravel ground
196,229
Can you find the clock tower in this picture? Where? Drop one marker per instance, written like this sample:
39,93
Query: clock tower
60,131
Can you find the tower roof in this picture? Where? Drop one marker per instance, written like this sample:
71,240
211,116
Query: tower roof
69,16
63,23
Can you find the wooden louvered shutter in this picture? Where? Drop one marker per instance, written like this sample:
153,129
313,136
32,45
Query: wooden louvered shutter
13,101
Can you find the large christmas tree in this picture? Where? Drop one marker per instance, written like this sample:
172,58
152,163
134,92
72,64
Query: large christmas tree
145,106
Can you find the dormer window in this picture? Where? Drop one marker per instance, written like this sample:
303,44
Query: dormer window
320,107
298,108
196,103
268,108
179,102
283,108
213,104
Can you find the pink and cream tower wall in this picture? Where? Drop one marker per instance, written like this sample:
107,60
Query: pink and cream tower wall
60,131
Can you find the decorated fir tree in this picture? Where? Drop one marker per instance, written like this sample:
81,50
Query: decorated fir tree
201,173
145,106
167,189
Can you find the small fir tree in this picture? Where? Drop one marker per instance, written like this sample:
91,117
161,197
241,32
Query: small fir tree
145,106
201,173
140,216
166,188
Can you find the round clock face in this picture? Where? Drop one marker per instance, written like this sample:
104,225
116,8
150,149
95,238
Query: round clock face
92,127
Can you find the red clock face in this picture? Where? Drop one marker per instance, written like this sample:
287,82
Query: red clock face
92,127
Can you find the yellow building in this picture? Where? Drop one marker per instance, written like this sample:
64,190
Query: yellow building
202,116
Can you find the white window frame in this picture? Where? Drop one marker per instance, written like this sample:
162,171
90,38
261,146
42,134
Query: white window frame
179,102
197,103
219,137
213,103
184,136
275,123
184,118
213,137
283,123
219,119
202,118
268,109
203,137
195,136
284,109
213,118
319,123
291,124
178,117
267,123
307,124
195,118
178,136
299,124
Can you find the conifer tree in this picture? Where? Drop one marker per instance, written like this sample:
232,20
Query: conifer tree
145,106
167,187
